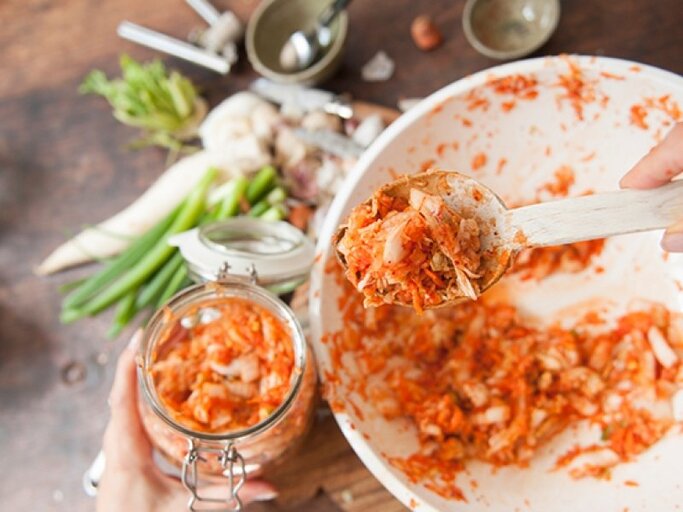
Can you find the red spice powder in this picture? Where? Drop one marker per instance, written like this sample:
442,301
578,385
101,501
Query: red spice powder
427,164
579,90
437,109
478,161
523,87
507,106
611,76
501,163
475,101
638,115
564,179
664,104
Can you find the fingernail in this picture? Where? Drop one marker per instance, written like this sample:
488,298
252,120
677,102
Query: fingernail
266,496
135,341
673,241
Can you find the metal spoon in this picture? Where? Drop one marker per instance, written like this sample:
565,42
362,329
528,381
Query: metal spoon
505,232
303,46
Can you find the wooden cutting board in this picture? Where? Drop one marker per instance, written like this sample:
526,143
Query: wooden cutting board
326,475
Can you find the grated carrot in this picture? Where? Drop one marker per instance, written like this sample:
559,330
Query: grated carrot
564,178
521,87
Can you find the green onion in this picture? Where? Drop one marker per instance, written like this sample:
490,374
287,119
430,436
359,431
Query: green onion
259,209
274,213
120,264
152,260
175,284
147,96
261,184
125,311
156,286
230,205
71,285
277,195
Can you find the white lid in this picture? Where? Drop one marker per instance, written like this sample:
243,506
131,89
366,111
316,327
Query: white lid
279,254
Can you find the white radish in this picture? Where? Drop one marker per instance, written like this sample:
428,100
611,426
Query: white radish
114,234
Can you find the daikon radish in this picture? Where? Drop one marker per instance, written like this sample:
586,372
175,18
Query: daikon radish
114,234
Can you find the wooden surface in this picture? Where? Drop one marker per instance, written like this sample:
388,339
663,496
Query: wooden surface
63,163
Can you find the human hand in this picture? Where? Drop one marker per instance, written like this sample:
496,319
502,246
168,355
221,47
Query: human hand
659,166
131,480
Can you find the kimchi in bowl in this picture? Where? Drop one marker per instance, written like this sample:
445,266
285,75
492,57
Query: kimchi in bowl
532,130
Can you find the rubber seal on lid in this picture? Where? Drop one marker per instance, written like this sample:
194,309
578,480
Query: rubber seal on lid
280,254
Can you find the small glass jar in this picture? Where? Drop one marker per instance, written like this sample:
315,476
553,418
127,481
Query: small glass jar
232,454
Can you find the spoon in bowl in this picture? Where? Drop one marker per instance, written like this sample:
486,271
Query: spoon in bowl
504,232
303,47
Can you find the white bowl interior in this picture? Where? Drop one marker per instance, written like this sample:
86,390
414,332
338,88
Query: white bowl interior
523,148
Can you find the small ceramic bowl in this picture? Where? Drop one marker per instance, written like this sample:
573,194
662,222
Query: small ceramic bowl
509,29
271,25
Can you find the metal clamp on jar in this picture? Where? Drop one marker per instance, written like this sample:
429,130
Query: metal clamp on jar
238,265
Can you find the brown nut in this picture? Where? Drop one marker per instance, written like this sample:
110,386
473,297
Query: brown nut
425,33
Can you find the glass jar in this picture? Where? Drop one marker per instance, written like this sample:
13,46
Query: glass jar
232,454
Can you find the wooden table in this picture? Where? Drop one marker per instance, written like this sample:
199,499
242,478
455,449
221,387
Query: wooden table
63,163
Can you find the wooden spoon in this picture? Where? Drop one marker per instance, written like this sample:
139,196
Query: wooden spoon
505,232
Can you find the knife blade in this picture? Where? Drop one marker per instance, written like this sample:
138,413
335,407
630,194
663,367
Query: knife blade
331,142
302,98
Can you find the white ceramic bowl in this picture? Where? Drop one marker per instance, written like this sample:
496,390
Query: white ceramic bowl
535,138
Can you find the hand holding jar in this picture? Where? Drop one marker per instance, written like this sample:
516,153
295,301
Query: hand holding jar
131,480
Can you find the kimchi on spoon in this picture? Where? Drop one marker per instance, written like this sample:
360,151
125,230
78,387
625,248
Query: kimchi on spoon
438,237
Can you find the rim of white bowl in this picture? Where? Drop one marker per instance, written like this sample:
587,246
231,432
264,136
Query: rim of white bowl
375,462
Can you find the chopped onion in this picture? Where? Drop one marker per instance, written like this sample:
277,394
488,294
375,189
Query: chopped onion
677,405
661,348
495,414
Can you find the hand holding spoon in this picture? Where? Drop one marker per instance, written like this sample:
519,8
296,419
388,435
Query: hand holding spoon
504,232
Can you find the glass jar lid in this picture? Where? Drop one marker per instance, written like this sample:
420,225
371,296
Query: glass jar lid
276,254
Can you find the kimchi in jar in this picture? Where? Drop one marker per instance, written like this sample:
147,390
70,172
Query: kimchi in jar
227,381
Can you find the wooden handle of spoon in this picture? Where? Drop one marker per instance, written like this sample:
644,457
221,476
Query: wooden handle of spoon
598,216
